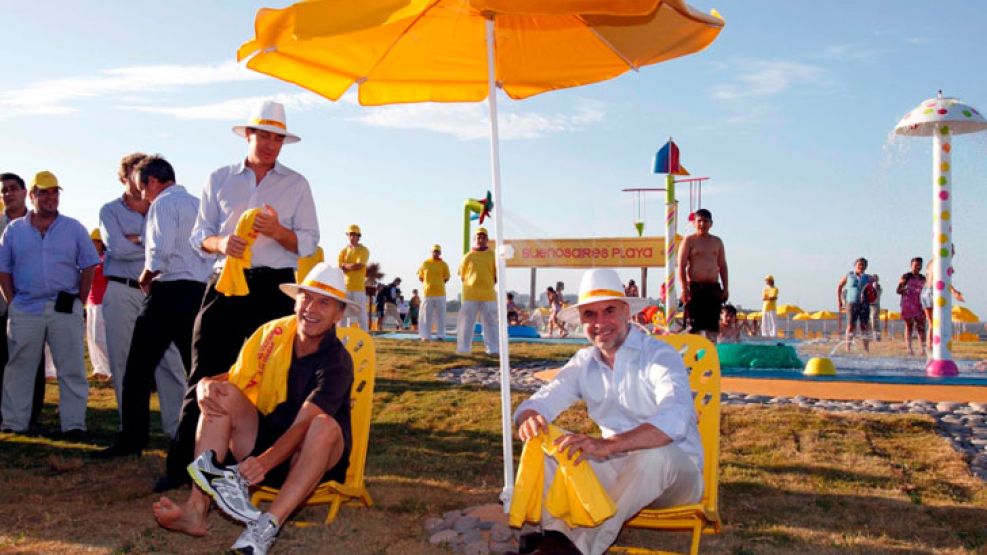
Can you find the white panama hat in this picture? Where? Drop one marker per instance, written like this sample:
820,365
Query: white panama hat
268,116
322,279
597,285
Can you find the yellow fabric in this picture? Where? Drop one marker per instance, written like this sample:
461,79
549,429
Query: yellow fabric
478,271
356,279
434,274
575,495
306,264
769,305
232,282
390,47
261,369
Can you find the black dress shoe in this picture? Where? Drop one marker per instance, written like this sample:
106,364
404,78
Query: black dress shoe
169,482
117,450
527,543
75,436
556,543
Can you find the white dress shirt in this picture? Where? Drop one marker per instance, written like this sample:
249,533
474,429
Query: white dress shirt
231,190
648,384
169,222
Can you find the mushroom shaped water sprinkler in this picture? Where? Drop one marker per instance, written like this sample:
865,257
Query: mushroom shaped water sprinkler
941,118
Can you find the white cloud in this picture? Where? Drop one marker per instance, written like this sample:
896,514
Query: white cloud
60,96
854,52
762,78
470,121
234,109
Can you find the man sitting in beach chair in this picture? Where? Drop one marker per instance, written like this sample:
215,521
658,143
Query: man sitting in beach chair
637,391
282,412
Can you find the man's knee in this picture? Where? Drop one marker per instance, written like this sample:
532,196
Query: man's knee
324,430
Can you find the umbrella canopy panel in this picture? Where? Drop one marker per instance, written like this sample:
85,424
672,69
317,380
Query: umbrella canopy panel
435,50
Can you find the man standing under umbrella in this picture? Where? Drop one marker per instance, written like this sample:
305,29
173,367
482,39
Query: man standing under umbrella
284,229
478,270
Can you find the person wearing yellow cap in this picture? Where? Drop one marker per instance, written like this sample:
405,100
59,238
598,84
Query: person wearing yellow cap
353,261
282,411
637,390
769,322
46,268
285,228
478,271
99,358
433,273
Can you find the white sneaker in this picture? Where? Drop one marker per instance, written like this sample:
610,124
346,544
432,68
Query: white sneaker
259,536
225,485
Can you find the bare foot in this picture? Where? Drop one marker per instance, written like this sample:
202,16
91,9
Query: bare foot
178,518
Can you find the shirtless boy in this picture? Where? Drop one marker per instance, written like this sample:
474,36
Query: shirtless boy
702,269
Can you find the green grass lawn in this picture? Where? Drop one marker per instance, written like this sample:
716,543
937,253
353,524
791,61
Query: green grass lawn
792,480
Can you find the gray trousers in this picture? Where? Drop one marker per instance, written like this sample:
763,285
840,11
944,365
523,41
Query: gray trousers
432,314
487,310
654,478
354,314
121,305
26,337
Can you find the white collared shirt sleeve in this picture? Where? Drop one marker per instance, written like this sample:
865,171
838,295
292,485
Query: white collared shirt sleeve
560,393
306,222
675,411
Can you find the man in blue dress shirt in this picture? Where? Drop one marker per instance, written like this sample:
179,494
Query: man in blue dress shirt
46,268
174,277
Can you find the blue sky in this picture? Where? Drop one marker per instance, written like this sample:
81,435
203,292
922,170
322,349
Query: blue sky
789,112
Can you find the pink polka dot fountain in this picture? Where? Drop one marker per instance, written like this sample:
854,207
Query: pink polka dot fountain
941,118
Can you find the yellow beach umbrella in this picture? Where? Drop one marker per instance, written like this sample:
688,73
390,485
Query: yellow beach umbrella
741,316
788,309
802,316
823,315
964,315
753,315
400,51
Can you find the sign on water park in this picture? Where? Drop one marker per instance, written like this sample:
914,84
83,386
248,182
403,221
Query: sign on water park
612,252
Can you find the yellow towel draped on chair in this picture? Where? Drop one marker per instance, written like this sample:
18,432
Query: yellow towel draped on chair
232,282
575,496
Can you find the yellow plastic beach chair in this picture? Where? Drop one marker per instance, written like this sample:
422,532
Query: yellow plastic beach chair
701,360
354,491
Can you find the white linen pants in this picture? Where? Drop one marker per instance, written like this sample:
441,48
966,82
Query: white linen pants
96,340
487,310
769,324
354,314
121,305
432,314
655,478
26,337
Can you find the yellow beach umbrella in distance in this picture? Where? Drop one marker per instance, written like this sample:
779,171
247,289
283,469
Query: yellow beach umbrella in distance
825,316
803,316
741,316
788,309
400,51
964,315
754,315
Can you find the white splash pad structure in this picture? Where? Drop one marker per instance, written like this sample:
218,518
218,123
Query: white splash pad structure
941,118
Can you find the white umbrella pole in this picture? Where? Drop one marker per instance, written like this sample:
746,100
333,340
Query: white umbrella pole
505,364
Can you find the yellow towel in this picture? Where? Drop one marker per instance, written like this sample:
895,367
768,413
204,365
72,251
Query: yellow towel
575,496
232,282
261,369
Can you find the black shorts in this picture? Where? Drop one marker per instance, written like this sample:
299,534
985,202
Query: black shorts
703,308
267,434
858,312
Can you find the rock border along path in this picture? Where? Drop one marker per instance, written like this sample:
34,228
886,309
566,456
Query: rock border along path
964,425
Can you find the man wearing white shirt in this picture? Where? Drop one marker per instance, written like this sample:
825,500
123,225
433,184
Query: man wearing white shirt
637,391
287,228
174,277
